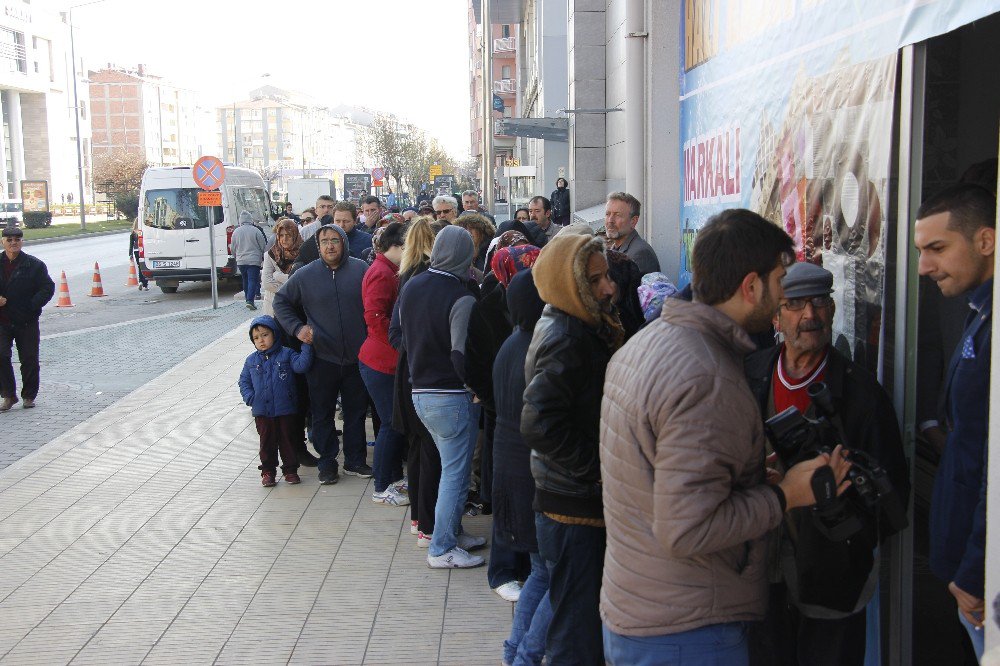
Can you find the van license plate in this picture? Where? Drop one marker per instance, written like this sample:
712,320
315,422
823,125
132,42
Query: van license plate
166,263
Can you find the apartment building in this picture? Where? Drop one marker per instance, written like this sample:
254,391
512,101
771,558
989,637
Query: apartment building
133,110
39,137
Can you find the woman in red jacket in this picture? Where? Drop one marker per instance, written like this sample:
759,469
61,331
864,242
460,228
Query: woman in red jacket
377,360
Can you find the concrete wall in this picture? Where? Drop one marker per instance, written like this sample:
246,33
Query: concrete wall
35,124
616,95
553,67
587,44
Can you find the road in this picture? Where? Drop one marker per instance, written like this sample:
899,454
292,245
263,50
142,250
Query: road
77,256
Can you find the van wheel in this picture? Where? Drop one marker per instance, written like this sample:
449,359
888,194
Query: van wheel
168,288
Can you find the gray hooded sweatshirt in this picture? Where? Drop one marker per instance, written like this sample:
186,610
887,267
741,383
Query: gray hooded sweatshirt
249,242
330,298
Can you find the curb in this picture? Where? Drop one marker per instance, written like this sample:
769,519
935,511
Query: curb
44,241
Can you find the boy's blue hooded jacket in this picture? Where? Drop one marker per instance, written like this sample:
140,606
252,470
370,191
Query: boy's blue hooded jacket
267,383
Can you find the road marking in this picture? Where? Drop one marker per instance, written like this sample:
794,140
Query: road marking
127,323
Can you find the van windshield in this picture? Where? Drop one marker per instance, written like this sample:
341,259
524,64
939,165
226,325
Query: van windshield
177,209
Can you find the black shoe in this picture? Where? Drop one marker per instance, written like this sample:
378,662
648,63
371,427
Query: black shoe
328,478
307,459
362,470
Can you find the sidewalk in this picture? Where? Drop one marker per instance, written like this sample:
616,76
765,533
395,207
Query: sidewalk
143,536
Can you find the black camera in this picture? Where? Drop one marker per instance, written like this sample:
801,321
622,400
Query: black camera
795,438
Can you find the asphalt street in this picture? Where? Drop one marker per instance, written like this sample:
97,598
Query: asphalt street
77,257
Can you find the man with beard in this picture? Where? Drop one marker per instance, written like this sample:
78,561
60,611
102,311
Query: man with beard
564,371
621,215
682,458
817,610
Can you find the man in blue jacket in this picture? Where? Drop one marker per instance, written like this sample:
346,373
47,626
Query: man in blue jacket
328,294
955,234
345,216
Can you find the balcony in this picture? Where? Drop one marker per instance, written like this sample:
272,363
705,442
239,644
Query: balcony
505,86
504,44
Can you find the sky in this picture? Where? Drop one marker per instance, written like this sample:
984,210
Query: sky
376,54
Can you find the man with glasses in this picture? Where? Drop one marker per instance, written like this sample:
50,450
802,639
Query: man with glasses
308,216
445,209
825,585
321,305
324,206
25,288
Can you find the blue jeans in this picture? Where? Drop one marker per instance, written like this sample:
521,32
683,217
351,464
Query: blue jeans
452,420
327,379
532,613
389,444
574,555
251,281
976,636
711,645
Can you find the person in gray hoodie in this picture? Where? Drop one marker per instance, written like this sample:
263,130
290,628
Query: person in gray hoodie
321,305
248,244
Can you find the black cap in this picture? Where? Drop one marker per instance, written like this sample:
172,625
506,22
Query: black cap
12,231
804,279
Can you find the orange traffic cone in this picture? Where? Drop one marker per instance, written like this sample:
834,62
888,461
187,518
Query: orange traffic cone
64,301
133,278
96,289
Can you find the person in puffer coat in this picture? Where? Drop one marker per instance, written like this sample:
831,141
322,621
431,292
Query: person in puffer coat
267,385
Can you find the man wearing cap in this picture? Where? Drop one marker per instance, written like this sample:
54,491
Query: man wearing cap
819,587
25,288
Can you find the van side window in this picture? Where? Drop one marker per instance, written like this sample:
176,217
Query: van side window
177,209
254,200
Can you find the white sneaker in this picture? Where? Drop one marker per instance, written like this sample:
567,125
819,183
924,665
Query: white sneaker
456,558
424,540
470,542
509,591
402,486
389,497
414,527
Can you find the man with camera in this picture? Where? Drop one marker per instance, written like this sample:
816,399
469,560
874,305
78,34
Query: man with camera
686,501
821,582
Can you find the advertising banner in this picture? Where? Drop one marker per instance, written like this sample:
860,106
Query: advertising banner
357,185
35,196
445,184
787,109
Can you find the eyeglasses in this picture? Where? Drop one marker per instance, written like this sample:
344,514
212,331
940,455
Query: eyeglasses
797,304
439,213
329,242
307,220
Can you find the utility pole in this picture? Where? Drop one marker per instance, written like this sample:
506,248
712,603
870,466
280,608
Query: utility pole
76,117
488,195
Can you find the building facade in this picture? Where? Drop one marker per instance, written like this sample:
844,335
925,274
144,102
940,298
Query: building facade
132,110
39,137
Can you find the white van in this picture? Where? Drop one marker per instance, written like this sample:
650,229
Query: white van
173,228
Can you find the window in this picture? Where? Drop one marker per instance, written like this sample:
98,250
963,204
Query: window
12,50
506,31
505,72
508,112
177,209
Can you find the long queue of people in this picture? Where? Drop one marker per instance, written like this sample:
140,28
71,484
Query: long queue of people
551,376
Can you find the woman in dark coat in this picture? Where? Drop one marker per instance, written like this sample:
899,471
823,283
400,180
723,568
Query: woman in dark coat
513,485
560,202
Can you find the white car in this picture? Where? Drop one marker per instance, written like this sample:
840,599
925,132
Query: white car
173,228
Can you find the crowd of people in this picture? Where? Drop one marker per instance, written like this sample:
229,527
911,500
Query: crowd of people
614,427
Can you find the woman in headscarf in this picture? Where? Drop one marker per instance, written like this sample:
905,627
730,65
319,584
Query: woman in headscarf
279,259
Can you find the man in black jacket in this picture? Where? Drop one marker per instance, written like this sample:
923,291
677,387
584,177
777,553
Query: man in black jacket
817,611
25,288
560,422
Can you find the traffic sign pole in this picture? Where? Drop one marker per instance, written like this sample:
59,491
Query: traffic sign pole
209,174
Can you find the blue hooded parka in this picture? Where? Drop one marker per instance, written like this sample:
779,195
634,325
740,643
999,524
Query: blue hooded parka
267,382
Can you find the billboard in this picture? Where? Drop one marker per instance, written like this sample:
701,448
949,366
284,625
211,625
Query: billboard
445,184
35,196
787,109
357,185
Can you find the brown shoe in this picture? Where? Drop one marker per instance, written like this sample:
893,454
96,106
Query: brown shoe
28,403
292,477
267,479
6,404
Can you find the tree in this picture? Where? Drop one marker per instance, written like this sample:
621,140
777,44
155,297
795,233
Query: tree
384,143
119,176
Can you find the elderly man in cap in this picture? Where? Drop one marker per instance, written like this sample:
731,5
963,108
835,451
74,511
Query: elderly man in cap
25,288
817,609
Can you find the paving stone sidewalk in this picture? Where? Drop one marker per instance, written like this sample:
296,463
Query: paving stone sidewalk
143,535
84,372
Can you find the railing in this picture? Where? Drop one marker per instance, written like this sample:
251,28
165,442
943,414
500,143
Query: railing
505,86
505,44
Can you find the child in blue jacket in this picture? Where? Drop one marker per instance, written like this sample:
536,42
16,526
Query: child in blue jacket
267,384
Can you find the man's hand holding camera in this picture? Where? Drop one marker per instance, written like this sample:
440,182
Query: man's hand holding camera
796,483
